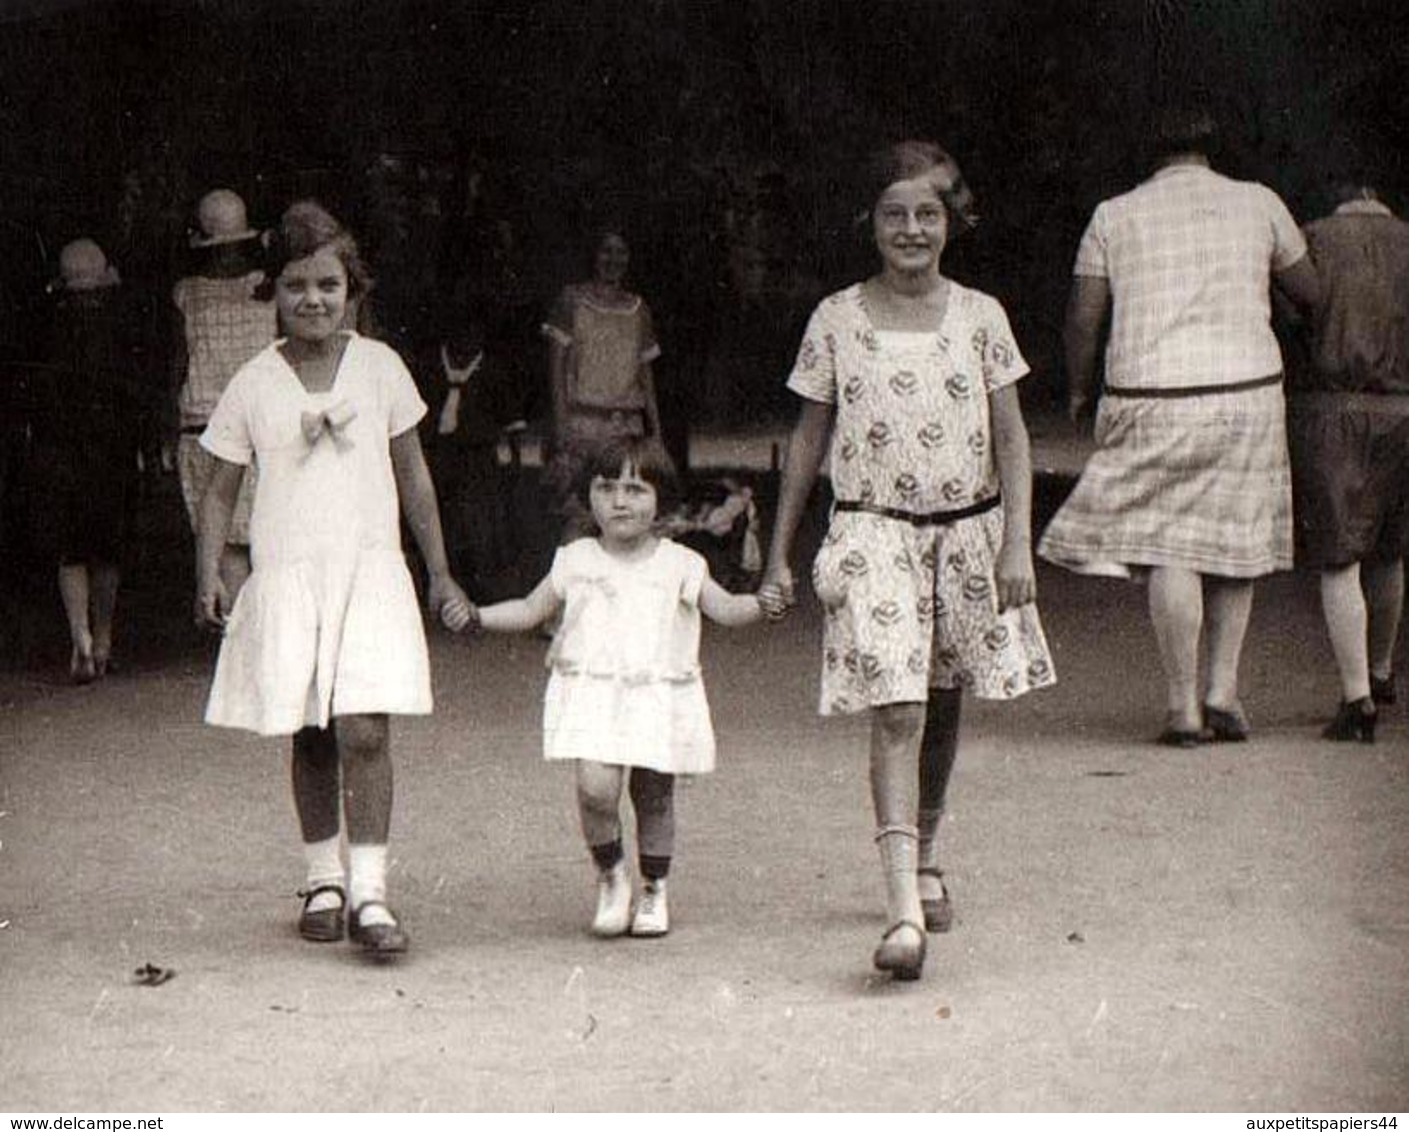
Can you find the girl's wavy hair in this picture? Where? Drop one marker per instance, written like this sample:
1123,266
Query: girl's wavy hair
905,160
306,228
646,459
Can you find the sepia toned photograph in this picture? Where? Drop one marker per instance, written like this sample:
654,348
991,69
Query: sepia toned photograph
699,556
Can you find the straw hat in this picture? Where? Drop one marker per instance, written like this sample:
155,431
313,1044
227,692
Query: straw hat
84,267
221,215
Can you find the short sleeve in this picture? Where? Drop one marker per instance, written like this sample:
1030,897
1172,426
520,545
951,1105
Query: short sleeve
1289,245
650,348
228,433
405,406
1000,361
1091,252
558,327
560,573
693,570
814,373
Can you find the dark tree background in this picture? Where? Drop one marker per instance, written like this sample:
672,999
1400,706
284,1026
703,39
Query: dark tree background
487,137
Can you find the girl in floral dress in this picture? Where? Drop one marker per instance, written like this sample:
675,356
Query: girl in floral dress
925,574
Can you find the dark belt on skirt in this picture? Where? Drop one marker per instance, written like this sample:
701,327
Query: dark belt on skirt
192,429
918,519
1196,390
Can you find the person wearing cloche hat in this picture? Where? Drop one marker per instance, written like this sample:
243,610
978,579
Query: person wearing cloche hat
89,412
84,267
223,220
221,325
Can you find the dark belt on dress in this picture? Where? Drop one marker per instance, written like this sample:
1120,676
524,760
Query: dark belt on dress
1196,390
192,429
917,519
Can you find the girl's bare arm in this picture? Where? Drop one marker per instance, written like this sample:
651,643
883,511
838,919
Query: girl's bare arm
807,446
217,508
518,615
1015,577
418,504
726,608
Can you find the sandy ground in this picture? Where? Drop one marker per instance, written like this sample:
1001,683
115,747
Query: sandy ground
1138,928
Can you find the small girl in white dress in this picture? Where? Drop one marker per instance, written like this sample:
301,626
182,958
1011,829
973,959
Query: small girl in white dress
325,639
625,688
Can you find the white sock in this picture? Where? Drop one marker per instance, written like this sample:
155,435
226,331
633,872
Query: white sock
323,860
368,876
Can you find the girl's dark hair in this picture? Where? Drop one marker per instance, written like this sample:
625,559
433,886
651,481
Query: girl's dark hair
906,160
647,459
306,228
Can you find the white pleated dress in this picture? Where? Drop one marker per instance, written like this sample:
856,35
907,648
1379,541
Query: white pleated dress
625,687
328,623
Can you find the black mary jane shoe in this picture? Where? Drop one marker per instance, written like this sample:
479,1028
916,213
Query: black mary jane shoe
1383,691
901,962
939,912
326,924
1354,720
1226,725
1184,739
378,940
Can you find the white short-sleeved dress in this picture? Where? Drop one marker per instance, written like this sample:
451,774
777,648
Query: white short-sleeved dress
328,623
908,593
625,686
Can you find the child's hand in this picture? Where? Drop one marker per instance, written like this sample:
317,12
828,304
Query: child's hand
771,600
458,614
455,610
777,595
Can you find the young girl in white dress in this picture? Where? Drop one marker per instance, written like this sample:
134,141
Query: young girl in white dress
325,639
625,699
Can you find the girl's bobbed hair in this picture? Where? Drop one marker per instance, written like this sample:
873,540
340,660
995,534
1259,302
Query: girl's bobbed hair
906,160
648,460
305,229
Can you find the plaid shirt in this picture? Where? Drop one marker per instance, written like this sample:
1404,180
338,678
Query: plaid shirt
225,327
1189,255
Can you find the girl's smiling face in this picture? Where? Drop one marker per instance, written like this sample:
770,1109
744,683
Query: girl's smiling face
311,294
624,507
911,226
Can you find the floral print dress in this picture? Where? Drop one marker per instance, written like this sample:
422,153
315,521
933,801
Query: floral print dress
912,605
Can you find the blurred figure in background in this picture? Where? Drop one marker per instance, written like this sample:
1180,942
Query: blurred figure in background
1349,433
476,410
89,415
220,326
601,342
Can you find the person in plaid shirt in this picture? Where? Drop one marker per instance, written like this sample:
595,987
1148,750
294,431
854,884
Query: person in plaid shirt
1190,487
221,326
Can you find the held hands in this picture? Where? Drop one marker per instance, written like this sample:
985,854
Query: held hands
777,594
457,612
